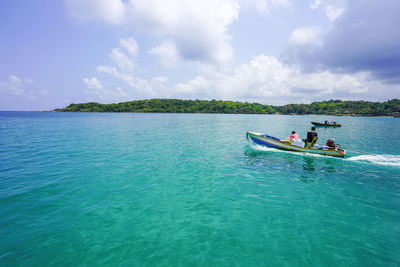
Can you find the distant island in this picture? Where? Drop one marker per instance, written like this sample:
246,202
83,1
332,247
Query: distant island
331,107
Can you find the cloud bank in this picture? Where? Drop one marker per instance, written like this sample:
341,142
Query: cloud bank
265,79
349,62
199,28
364,39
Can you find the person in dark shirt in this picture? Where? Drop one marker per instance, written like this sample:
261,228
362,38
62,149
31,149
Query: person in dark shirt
331,143
310,136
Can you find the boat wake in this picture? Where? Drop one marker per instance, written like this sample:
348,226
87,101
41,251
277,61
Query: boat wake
270,149
387,160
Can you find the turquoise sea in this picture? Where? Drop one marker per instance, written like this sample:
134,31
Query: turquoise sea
136,189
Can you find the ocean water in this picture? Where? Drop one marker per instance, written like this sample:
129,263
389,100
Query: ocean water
188,190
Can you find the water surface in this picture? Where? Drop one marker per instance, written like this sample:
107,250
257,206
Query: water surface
188,189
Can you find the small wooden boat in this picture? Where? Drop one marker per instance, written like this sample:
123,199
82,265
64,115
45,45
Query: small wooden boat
298,146
326,124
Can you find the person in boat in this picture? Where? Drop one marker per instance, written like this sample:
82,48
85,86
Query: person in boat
326,123
294,136
312,137
330,143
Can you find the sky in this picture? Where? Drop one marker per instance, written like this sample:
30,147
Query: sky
53,53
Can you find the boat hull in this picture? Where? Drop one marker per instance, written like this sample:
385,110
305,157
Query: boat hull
270,141
325,125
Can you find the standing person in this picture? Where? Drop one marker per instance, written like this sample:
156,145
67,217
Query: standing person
294,136
312,137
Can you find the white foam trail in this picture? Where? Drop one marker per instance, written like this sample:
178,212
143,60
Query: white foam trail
271,149
263,148
388,160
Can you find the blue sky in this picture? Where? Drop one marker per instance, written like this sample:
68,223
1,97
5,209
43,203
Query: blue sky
53,53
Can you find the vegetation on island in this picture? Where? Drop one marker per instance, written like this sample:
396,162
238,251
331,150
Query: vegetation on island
174,106
331,107
339,107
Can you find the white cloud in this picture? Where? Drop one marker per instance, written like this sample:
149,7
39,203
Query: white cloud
14,79
20,87
316,4
333,8
93,83
116,94
193,87
119,92
333,12
160,79
128,78
121,60
198,30
167,53
306,35
141,87
198,27
108,11
264,6
130,45
267,80
102,93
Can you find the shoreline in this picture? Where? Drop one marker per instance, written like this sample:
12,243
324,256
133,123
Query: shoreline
338,115
390,108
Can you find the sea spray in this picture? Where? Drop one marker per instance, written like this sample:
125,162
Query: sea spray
387,160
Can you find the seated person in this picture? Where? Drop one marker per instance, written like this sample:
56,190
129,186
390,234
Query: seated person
294,136
312,137
330,143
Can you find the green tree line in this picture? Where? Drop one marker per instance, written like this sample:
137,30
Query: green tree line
331,107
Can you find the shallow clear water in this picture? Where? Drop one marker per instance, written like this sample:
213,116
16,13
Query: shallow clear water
188,189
